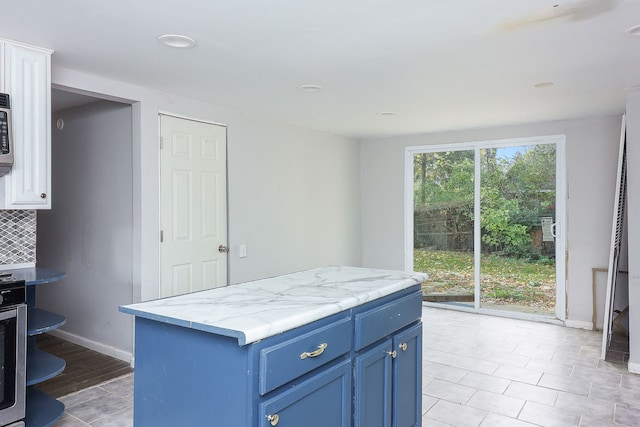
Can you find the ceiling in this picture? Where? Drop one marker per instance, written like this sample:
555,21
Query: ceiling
385,67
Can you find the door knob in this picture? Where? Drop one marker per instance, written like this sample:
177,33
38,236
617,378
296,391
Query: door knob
223,249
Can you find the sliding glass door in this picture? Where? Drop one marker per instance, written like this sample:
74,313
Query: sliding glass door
517,228
443,224
485,223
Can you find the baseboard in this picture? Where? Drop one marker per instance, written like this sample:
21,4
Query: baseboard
579,324
633,367
94,345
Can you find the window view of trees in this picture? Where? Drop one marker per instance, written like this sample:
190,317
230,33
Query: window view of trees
516,193
443,200
517,199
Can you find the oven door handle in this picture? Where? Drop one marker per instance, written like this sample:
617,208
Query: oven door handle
8,314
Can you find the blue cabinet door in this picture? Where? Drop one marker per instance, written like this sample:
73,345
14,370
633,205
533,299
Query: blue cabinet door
373,387
323,400
407,378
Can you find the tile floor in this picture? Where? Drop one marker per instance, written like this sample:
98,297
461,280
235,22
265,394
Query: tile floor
106,405
490,371
477,371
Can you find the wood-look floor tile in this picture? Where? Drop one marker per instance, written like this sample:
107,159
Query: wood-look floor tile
84,367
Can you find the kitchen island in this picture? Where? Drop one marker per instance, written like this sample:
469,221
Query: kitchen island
332,346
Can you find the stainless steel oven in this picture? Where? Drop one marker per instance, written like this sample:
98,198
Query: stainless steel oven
13,348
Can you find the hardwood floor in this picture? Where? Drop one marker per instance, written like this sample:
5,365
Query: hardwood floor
85,368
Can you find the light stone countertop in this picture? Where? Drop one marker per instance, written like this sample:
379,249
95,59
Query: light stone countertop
256,310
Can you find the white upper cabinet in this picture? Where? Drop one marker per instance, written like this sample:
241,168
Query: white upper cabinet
26,77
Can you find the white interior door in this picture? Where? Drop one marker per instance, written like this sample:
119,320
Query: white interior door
193,206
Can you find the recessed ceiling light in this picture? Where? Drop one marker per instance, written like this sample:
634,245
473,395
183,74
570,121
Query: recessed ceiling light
309,88
633,31
387,113
177,41
543,84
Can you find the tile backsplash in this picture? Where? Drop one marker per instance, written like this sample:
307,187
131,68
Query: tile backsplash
17,236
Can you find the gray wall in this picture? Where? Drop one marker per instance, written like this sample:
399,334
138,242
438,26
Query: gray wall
88,231
633,210
591,160
300,197
293,199
293,191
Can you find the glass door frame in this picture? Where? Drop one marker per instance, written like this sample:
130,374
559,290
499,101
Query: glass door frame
561,217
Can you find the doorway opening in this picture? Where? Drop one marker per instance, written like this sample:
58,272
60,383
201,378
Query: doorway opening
89,232
486,222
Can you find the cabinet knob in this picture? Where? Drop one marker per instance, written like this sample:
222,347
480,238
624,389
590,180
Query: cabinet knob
43,195
393,354
403,346
273,419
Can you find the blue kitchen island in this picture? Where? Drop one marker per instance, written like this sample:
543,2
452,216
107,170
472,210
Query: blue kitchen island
332,346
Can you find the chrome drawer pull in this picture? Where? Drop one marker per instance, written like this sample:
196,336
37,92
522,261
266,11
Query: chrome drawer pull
273,419
403,346
315,353
393,354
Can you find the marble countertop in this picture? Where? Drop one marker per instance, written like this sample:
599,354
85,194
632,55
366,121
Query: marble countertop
256,310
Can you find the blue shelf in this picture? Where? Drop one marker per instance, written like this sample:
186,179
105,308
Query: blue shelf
42,366
42,410
40,321
37,276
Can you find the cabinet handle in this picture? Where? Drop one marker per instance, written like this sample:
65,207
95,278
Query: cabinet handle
43,195
273,419
321,348
403,346
393,354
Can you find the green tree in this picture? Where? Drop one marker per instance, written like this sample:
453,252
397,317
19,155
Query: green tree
443,179
515,192
501,230
532,181
443,195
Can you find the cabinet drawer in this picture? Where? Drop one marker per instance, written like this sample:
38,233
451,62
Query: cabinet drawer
286,361
379,322
322,401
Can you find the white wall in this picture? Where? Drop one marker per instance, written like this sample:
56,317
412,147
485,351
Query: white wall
293,191
591,151
88,231
633,211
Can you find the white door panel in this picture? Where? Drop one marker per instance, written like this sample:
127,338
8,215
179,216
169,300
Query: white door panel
194,211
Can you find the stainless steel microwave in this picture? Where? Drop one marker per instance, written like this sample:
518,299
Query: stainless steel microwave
6,141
